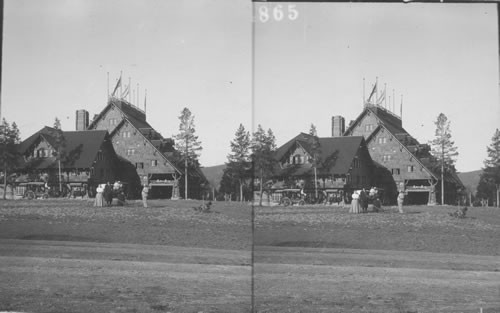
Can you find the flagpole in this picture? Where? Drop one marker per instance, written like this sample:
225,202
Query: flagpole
401,109
129,93
376,90
385,93
393,100
121,91
145,95
137,94
108,86
364,99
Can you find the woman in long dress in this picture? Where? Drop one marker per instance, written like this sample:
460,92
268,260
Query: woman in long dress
355,208
99,199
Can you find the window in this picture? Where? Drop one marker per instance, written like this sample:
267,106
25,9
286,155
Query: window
130,151
395,171
382,140
40,153
154,163
411,168
356,163
126,134
139,165
368,127
100,156
298,159
113,121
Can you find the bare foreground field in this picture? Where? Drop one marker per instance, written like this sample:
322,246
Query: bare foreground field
67,256
323,259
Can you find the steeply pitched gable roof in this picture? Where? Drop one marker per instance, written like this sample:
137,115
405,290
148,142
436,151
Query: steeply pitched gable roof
134,115
335,153
83,146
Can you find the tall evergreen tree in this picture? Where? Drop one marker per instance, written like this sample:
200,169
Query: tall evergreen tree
59,147
239,159
315,160
489,182
313,131
9,138
263,148
187,144
444,149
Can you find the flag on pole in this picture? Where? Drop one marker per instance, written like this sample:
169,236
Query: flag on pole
125,92
381,98
118,84
372,93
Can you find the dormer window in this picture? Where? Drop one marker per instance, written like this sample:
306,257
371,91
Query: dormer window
298,159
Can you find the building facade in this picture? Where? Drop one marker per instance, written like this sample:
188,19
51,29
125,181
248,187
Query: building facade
87,158
334,166
145,150
402,163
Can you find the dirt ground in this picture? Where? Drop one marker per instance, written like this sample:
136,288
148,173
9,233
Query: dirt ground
67,256
323,259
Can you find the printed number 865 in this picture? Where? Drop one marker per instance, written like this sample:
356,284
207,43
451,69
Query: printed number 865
277,13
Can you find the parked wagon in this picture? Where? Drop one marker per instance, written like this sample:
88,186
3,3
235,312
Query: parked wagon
292,196
34,190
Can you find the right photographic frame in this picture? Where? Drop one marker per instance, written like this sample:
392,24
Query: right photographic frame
377,159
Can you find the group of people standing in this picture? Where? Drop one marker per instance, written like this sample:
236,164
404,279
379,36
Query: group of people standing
106,192
359,202
360,199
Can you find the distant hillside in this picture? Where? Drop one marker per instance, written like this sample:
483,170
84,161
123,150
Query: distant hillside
214,174
470,179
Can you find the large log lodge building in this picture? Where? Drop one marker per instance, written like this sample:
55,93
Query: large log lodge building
118,144
375,150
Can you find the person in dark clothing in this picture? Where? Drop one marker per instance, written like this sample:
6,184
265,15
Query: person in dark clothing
363,201
108,194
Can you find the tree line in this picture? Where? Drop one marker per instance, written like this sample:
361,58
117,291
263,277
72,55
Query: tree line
249,164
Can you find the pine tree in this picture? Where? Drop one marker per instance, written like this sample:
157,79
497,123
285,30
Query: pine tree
187,144
313,131
489,182
263,148
443,149
59,147
9,138
239,159
315,159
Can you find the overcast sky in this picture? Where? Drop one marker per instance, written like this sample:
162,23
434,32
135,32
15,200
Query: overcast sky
194,54
440,57
198,54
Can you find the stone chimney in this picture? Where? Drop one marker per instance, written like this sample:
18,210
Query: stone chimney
82,120
338,126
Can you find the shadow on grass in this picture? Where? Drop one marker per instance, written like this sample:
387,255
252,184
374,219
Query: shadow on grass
310,244
56,237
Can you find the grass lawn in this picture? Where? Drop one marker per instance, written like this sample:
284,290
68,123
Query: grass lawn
323,259
68,256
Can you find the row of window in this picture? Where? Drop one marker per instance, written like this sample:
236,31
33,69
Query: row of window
369,127
43,153
382,140
298,159
154,163
397,171
357,180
